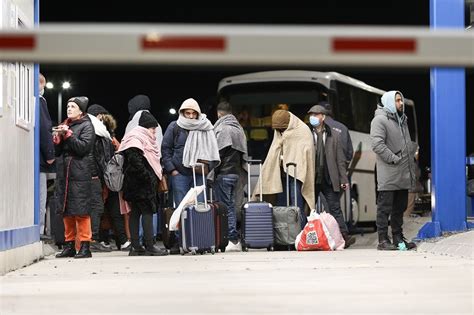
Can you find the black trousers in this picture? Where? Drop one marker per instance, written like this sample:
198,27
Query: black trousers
112,206
391,205
333,199
141,209
97,207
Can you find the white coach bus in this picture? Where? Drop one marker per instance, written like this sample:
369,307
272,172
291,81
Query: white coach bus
255,96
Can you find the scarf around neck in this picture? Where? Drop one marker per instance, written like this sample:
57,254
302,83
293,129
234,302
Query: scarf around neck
230,133
140,138
201,143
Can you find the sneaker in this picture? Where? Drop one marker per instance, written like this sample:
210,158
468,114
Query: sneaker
100,247
233,247
106,245
126,246
386,245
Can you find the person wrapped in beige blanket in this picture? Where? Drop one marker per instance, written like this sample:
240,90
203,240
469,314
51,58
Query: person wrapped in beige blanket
292,143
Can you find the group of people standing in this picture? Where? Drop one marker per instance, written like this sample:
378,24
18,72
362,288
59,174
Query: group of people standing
82,145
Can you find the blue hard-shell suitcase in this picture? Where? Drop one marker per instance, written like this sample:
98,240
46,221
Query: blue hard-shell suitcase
257,220
197,230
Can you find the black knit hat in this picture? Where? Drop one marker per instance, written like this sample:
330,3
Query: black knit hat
96,109
81,101
147,120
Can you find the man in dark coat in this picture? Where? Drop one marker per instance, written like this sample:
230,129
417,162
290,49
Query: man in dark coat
331,167
337,126
74,142
46,151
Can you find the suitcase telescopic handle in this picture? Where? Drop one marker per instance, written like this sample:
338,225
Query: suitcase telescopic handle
203,182
249,163
288,183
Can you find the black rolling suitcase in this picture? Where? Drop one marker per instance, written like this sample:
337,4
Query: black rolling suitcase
257,219
287,219
221,222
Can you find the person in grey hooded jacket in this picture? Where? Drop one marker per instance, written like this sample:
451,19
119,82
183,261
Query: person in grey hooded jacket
395,170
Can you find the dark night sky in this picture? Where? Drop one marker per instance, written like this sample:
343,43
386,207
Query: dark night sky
113,86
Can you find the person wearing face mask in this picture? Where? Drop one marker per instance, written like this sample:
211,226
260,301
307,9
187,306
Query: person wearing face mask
74,141
391,144
292,143
331,167
46,152
142,171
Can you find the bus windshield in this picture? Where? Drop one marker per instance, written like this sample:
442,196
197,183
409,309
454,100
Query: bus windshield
254,103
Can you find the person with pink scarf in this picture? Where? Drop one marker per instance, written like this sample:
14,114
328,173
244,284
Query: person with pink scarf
142,171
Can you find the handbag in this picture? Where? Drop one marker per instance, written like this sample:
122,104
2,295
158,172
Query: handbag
163,184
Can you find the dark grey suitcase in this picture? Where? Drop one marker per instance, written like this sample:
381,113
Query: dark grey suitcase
257,220
197,230
287,219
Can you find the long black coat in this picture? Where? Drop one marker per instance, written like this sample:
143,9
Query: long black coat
73,165
140,183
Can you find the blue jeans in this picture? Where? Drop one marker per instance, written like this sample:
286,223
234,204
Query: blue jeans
281,197
225,193
181,184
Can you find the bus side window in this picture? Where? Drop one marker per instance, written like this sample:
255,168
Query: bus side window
344,108
363,107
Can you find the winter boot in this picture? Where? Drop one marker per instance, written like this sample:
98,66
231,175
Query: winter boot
137,250
349,239
84,251
384,243
68,250
152,250
401,243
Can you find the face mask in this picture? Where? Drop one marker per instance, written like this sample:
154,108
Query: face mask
314,121
42,92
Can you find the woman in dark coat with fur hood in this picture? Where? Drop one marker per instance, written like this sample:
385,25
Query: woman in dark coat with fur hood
142,171
74,140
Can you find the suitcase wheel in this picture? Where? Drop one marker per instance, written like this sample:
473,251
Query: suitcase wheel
213,251
193,252
270,248
245,248
222,249
181,251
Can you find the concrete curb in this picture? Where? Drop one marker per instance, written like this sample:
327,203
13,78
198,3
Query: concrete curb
459,245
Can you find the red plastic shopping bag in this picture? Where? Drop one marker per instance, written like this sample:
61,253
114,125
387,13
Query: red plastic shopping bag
331,224
314,236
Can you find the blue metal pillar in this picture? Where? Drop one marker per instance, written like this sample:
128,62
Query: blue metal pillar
448,137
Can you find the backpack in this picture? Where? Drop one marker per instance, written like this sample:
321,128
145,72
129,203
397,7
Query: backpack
103,152
113,174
